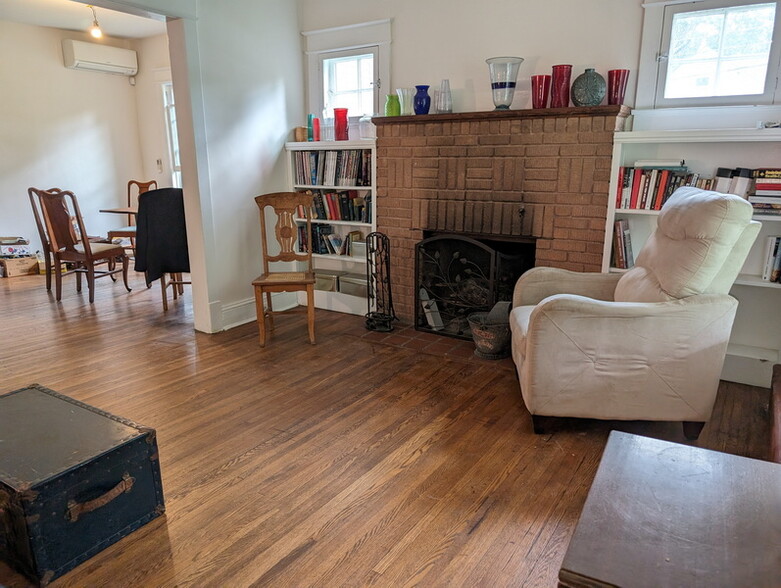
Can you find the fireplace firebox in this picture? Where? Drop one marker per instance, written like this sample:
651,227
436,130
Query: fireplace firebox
457,275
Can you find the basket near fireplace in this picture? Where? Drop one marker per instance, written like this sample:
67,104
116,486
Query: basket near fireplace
491,333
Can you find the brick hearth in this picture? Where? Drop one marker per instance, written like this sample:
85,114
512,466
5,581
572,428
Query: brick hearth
473,173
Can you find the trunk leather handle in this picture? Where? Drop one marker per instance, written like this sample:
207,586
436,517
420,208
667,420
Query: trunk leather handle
76,509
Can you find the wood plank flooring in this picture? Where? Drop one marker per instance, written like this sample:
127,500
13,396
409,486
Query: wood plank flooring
353,462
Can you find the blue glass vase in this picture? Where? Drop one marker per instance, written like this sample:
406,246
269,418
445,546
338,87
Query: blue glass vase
422,101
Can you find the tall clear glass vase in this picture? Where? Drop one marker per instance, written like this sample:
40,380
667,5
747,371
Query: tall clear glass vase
504,74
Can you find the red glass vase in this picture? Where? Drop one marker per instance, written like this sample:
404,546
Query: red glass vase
540,91
341,132
560,86
616,85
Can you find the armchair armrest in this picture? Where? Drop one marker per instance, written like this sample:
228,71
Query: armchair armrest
541,282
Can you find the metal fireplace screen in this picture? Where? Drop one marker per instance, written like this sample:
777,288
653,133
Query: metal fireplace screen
456,276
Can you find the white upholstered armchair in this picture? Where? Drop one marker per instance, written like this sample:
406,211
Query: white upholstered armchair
645,345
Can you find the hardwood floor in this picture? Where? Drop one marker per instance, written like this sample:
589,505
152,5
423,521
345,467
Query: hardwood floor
353,462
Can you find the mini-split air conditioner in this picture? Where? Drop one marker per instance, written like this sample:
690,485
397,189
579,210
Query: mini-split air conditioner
95,57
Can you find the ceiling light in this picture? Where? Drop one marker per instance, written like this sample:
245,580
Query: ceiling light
94,30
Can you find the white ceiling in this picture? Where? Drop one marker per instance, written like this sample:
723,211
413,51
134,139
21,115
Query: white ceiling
74,16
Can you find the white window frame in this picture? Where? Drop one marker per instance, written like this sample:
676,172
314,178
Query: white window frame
373,51
174,154
351,39
657,24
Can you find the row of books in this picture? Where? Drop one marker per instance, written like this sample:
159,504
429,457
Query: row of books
771,271
649,183
326,242
765,195
346,206
347,167
623,258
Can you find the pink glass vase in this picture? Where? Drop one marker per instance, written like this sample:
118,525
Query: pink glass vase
560,86
540,91
341,132
616,85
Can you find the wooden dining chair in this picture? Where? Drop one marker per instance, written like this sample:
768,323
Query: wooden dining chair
130,230
65,236
287,236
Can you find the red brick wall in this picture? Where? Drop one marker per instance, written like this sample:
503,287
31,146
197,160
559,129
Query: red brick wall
473,172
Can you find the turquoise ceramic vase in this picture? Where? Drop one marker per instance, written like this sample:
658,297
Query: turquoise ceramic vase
588,89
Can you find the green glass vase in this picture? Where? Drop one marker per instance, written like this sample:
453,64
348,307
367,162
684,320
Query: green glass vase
392,105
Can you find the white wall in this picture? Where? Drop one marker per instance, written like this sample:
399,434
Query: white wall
436,39
154,68
238,75
64,128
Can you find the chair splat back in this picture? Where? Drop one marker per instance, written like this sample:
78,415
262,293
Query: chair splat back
59,219
286,205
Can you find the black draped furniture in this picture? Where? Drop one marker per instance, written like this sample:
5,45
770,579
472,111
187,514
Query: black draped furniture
161,239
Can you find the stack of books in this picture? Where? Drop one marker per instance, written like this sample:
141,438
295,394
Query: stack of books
766,194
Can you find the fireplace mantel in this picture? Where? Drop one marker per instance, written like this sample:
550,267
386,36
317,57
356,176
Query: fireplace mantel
620,112
538,174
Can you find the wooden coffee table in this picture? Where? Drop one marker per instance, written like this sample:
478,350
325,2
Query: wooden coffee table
665,514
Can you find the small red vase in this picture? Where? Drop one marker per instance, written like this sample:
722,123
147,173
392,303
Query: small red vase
341,132
616,85
540,91
560,86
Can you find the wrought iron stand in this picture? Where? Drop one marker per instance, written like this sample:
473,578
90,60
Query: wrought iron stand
378,281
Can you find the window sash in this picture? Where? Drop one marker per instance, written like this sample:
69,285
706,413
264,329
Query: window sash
329,94
768,95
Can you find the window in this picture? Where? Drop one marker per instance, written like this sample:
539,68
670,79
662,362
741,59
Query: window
719,52
173,138
709,53
349,81
348,67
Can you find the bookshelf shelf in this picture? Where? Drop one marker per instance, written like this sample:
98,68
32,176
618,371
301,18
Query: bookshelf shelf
352,178
756,335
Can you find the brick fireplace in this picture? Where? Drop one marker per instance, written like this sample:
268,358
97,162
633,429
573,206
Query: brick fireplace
509,175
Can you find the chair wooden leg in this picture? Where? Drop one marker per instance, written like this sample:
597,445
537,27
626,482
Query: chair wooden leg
261,315
174,285
78,279
91,282
270,312
163,290
47,264
125,264
58,280
310,311
180,286
692,429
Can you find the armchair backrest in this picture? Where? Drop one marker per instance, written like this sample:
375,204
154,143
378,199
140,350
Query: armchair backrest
700,243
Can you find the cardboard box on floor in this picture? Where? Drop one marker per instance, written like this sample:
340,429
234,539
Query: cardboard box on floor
19,266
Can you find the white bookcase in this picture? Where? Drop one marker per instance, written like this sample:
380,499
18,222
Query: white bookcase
756,335
351,264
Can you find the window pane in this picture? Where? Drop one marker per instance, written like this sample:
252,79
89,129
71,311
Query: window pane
721,52
345,75
347,83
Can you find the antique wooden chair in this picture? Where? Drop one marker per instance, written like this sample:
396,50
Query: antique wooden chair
130,230
286,234
65,237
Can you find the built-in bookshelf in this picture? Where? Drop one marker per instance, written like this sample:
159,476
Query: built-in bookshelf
341,175
700,157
